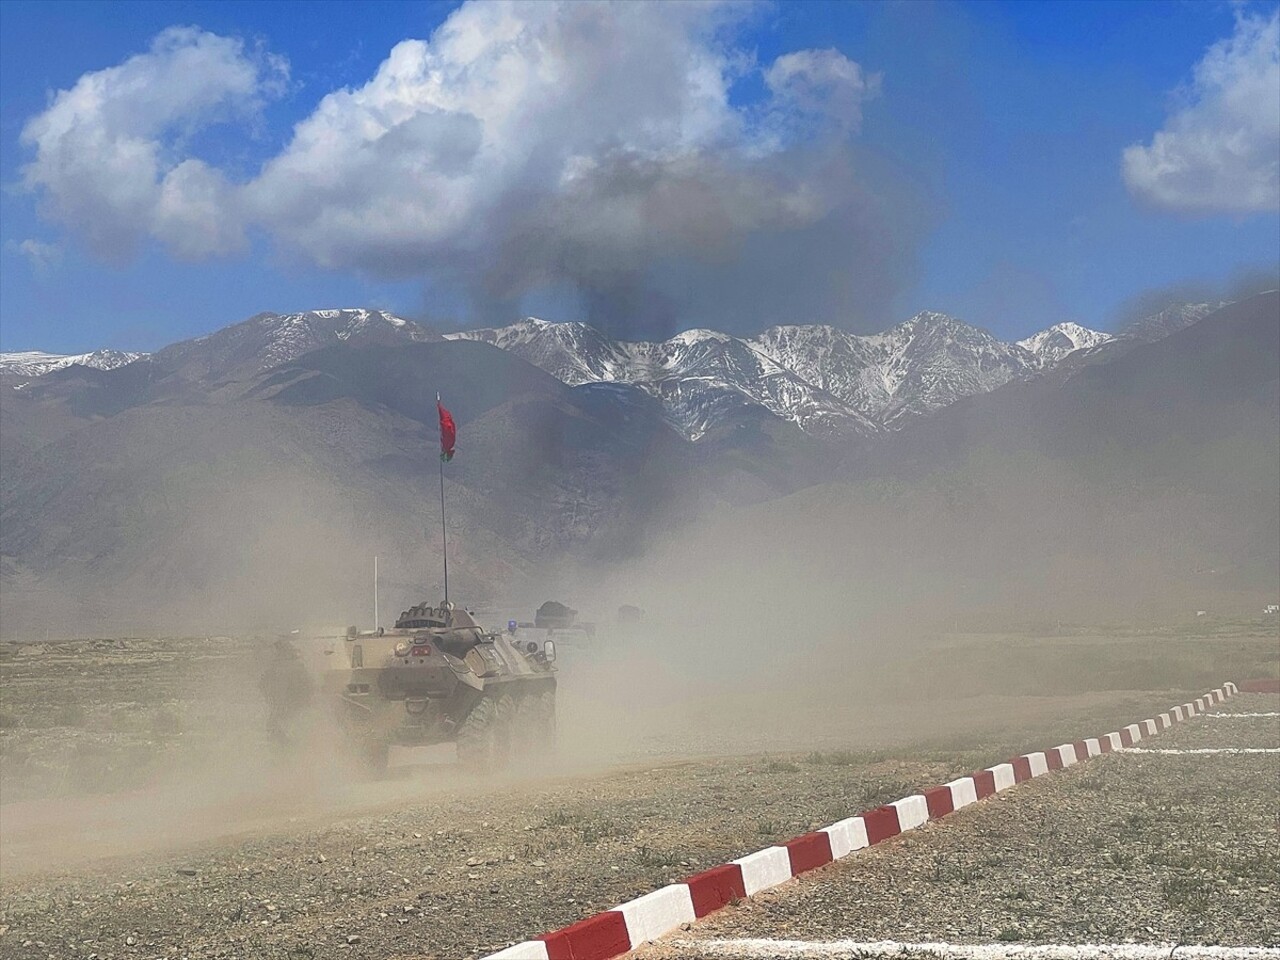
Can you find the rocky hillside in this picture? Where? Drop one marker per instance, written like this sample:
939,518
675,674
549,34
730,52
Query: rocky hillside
827,381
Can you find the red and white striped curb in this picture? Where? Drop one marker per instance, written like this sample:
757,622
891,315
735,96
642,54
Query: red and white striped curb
631,924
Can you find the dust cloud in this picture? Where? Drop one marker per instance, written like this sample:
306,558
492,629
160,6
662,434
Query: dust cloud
785,628
833,617
745,647
825,620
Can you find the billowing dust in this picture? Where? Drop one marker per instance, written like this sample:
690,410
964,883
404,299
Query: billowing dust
750,642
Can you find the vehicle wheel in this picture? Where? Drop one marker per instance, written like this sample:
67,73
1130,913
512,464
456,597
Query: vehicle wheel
523,724
475,737
504,730
542,730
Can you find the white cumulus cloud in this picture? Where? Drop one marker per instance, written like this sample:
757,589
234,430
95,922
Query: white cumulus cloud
1219,150
573,145
109,158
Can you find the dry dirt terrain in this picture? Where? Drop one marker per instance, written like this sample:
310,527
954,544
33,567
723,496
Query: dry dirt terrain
1158,848
144,815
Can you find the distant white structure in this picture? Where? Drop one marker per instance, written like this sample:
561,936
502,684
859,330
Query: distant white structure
1201,613
1272,608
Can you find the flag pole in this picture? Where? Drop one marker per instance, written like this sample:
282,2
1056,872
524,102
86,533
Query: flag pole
444,535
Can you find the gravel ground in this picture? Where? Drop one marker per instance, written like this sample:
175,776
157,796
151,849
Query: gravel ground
1129,848
467,873
454,873
1219,729
201,860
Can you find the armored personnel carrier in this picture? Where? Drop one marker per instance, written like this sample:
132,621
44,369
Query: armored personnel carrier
438,676
555,620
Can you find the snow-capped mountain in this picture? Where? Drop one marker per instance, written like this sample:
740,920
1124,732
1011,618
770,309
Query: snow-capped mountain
701,377
825,380
821,378
241,349
270,339
928,362
1171,319
1061,339
36,363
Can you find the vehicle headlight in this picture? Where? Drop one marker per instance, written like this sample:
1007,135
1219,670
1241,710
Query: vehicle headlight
402,648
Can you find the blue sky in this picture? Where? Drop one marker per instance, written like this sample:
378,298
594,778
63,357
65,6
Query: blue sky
842,163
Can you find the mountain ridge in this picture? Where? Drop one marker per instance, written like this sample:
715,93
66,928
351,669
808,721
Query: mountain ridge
36,363
254,497
827,381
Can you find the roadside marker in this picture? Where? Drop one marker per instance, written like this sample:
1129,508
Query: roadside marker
656,913
848,835
764,868
913,811
629,925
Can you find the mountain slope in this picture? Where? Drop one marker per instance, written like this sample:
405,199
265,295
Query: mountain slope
1146,482
824,380
704,379
199,489
269,339
264,503
1141,489
36,363
217,366
1170,319
1055,343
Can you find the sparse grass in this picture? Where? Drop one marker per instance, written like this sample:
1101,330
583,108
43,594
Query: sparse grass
1121,858
885,791
92,716
1257,869
588,829
594,831
775,765
1189,892
561,817
647,856
840,758
1178,658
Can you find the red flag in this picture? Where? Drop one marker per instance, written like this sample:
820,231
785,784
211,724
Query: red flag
448,431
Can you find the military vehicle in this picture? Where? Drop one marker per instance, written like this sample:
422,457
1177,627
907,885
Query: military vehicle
438,676
555,620
553,614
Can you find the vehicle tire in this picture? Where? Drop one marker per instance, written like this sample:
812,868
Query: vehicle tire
504,730
522,728
476,736
542,731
